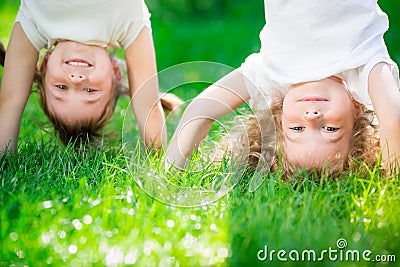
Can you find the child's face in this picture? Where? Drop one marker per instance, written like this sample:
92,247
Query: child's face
78,82
317,122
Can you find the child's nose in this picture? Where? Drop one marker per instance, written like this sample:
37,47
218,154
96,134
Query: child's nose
77,78
312,114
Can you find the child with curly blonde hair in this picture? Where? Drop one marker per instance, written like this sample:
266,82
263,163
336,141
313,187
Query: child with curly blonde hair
260,144
78,81
323,66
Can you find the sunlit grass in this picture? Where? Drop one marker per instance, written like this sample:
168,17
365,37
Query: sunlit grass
87,209
59,207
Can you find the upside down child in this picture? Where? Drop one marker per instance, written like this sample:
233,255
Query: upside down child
78,81
322,66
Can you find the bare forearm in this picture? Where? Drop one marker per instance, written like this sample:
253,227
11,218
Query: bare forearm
390,145
150,115
385,95
186,139
8,139
143,85
19,69
10,117
153,129
216,101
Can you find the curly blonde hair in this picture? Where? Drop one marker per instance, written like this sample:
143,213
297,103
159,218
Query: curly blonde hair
256,147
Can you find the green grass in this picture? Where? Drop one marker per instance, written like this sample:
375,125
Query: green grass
62,208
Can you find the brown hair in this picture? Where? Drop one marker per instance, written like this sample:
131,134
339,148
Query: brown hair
86,131
261,150
89,131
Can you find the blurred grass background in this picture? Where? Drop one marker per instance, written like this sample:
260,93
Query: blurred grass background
210,30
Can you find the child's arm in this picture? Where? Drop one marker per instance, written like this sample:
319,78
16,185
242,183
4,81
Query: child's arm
143,86
20,64
385,95
219,99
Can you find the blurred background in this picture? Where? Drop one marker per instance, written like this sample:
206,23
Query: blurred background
212,30
227,31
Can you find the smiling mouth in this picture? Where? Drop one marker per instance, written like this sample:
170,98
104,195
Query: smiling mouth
313,98
78,63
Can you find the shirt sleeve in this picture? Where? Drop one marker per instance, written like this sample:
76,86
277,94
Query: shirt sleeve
136,25
260,88
357,79
30,28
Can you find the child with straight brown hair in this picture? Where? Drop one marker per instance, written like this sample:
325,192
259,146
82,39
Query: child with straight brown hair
78,81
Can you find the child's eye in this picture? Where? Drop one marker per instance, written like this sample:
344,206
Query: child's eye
89,90
330,129
61,86
297,128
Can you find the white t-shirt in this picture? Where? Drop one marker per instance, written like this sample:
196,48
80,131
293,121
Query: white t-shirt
308,40
105,23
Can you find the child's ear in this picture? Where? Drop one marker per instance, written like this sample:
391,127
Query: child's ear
2,54
358,109
43,65
116,70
